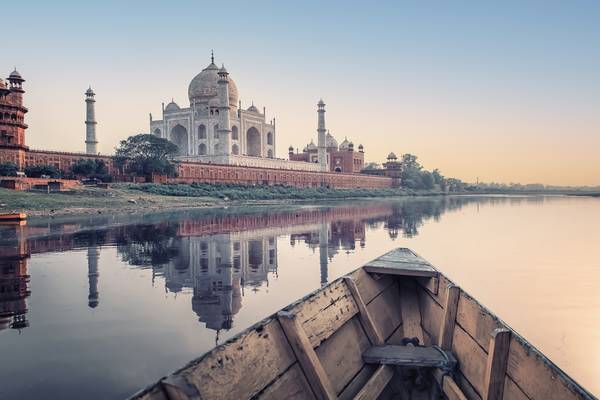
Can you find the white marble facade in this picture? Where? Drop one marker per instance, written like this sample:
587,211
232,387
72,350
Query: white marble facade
195,129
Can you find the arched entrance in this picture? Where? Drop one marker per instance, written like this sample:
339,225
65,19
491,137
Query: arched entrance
179,136
202,149
253,142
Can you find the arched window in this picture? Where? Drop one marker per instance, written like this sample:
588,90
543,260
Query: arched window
216,131
235,149
216,148
201,132
179,136
157,132
270,138
270,153
202,149
234,133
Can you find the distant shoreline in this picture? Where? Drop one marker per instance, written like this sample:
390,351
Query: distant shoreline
127,199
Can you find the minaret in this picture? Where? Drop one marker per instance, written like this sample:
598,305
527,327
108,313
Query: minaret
224,125
322,152
90,123
93,253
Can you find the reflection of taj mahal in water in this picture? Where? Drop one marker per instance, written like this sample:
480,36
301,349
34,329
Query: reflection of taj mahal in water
216,258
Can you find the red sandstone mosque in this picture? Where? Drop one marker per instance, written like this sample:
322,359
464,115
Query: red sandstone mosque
246,157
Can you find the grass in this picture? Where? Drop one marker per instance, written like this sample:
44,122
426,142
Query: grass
239,192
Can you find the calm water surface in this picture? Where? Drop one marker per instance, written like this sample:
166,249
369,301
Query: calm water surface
100,307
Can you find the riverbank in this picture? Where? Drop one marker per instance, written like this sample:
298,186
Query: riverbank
123,198
129,198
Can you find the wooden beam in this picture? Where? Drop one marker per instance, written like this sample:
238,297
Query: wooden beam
409,309
497,361
378,381
409,356
451,389
449,320
308,359
365,318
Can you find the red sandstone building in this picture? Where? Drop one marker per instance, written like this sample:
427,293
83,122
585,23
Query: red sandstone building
343,172
340,158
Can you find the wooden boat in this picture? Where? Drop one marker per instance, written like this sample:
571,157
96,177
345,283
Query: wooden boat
394,329
13,217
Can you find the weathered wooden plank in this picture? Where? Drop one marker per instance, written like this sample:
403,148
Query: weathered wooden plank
385,311
403,269
325,311
449,319
406,255
291,385
154,392
538,377
223,373
376,384
368,286
178,388
357,382
512,391
475,320
471,358
341,354
365,318
431,316
308,359
410,310
411,356
495,371
451,389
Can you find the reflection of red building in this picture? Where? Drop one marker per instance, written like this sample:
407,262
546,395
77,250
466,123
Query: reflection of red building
13,285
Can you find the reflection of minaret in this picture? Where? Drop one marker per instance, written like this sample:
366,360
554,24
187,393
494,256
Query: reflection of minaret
93,254
323,251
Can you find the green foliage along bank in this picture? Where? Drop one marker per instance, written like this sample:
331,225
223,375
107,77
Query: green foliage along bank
242,192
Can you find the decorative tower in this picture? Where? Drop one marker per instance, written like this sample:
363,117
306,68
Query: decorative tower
12,125
90,123
224,125
322,148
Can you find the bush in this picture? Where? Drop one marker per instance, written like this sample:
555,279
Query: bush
241,192
8,169
36,171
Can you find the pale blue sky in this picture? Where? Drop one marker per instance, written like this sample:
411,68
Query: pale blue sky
504,91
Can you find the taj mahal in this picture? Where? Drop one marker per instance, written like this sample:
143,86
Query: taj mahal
216,129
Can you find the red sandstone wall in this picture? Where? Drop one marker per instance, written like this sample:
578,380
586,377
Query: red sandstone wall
190,172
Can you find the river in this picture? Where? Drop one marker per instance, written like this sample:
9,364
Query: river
98,307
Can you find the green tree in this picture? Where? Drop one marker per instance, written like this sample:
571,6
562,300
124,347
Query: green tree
371,165
427,180
36,171
90,168
8,169
438,178
411,172
144,155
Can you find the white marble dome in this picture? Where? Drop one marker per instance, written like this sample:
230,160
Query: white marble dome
204,86
330,141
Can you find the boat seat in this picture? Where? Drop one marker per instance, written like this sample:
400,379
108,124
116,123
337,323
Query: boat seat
410,356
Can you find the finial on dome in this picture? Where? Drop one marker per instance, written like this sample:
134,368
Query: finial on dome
212,56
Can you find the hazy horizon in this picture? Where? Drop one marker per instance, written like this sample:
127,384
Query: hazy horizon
504,92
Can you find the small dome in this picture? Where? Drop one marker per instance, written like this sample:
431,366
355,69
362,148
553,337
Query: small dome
311,146
291,148
392,156
345,144
172,106
15,75
330,141
350,145
360,147
90,92
253,108
321,103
